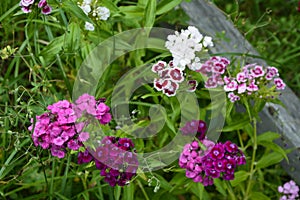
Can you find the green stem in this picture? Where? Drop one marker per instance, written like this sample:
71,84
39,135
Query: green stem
143,190
64,180
100,190
240,139
52,179
230,191
252,167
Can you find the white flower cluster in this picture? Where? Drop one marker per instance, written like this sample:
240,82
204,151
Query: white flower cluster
99,13
184,46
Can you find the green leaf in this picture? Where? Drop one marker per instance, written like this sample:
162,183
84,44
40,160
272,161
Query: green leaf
220,186
258,196
128,192
239,177
237,125
53,48
269,159
117,192
259,105
166,5
275,148
150,13
71,7
267,136
73,37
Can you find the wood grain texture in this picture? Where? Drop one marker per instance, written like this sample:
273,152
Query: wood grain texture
212,21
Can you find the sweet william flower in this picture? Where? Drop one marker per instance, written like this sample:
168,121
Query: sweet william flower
26,3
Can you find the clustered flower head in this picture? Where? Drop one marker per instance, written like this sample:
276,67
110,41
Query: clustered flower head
115,158
194,127
248,81
59,129
96,12
215,161
185,45
27,5
169,78
289,190
214,68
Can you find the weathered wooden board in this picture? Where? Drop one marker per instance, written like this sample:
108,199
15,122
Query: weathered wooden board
211,21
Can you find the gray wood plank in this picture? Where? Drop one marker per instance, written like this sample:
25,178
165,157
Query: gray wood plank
212,21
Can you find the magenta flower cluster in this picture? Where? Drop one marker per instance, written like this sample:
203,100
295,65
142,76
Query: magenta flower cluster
115,158
59,128
217,160
43,5
169,78
289,190
213,68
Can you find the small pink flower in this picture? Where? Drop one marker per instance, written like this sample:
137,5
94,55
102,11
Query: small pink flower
218,68
241,77
242,88
252,87
258,71
83,136
211,83
26,9
46,10
26,3
42,3
232,86
280,85
232,97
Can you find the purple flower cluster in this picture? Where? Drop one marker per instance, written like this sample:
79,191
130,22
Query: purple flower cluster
213,69
169,78
217,160
59,129
27,5
195,127
115,158
290,191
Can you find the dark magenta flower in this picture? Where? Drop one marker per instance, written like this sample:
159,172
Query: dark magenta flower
217,160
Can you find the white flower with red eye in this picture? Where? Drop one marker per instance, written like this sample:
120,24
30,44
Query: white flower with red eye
160,84
159,66
192,85
171,89
176,75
